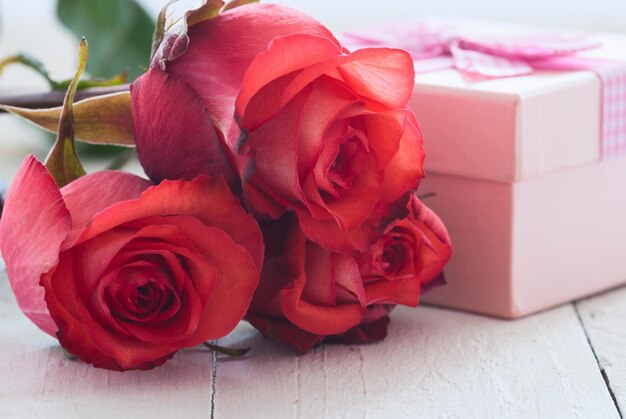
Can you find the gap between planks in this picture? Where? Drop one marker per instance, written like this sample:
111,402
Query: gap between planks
213,380
603,372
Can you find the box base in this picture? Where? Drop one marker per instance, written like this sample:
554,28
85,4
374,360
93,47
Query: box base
527,246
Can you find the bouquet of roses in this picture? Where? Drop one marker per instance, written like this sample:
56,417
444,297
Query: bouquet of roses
283,170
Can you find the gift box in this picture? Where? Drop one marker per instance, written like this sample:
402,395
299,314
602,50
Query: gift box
525,135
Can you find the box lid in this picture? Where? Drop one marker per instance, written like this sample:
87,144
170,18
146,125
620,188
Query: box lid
508,129
513,128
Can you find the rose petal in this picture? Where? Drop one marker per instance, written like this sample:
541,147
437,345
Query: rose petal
232,293
207,199
348,276
76,327
329,235
406,168
403,291
436,244
183,325
316,319
363,333
174,131
357,203
34,224
319,287
90,194
276,151
283,56
96,255
380,77
219,77
284,331
382,74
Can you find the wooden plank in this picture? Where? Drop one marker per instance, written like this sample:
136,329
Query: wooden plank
263,384
435,363
604,318
37,381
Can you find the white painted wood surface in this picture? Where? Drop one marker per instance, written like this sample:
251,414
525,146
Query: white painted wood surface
37,381
604,319
435,363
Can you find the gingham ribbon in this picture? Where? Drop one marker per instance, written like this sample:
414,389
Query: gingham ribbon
508,54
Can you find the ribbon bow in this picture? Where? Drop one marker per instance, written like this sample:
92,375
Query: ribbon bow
504,54
508,52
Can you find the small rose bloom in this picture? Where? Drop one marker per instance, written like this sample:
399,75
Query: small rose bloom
308,293
125,273
329,135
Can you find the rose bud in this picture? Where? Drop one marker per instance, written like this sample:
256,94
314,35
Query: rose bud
183,106
329,135
308,293
125,273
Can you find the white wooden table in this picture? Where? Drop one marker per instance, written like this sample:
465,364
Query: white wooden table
566,362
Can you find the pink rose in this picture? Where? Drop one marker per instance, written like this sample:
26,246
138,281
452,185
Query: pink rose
125,273
329,135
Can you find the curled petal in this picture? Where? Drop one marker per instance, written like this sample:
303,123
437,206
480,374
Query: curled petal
317,319
207,199
34,224
88,195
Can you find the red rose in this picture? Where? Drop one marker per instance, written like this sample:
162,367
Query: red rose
183,106
308,293
125,273
329,135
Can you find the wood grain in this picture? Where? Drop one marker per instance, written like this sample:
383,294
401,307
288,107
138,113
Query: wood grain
435,363
36,380
604,318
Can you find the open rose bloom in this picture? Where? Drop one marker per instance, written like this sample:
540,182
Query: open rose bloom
125,273
259,131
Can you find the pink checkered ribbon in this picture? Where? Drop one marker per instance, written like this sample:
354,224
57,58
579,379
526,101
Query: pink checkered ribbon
436,47
613,110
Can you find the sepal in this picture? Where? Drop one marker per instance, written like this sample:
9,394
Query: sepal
63,162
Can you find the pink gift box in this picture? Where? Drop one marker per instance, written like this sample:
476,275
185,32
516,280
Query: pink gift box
535,214
535,209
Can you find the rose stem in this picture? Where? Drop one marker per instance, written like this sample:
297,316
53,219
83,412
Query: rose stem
55,98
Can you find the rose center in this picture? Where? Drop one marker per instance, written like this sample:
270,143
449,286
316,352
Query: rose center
391,258
347,164
142,293
146,298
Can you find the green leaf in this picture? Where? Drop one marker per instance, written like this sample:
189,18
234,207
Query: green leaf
63,162
119,31
103,119
28,61
116,80
36,65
